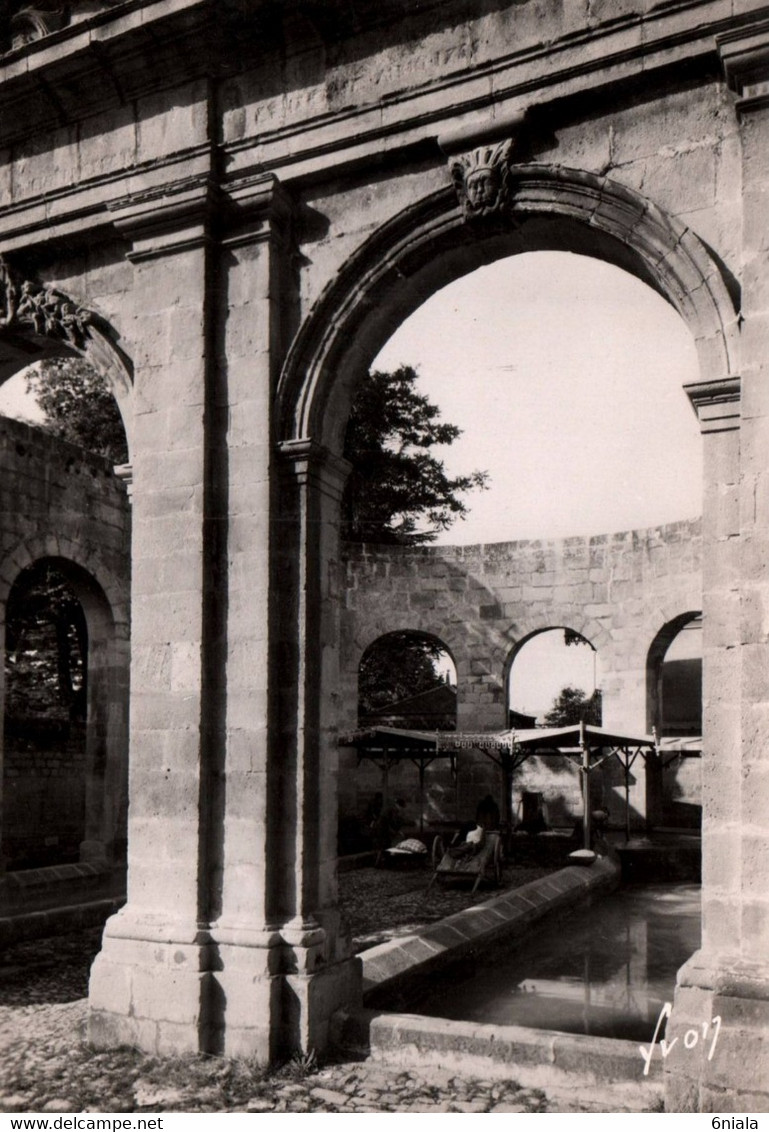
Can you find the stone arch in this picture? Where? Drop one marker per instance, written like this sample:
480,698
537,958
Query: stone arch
447,639
53,324
592,631
105,606
31,550
429,244
401,265
655,656
435,639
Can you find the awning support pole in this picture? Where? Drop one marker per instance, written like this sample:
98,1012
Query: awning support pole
421,799
585,783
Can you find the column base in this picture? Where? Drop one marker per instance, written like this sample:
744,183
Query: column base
711,1067
150,986
174,988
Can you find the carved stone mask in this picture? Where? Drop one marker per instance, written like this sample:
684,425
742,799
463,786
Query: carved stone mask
481,179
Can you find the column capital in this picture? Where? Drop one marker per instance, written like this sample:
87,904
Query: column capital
167,218
125,473
307,460
258,207
744,53
716,403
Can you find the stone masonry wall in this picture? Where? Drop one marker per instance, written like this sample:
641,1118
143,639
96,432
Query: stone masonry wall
617,590
55,496
57,501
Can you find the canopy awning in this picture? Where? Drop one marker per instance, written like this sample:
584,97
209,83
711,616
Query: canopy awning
398,740
576,735
510,748
393,740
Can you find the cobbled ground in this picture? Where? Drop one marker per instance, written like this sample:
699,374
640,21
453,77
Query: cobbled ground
47,1066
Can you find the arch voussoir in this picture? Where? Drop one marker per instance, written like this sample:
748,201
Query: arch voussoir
429,244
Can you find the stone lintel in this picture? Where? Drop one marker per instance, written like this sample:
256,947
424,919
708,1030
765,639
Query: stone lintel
169,218
309,461
716,403
744,54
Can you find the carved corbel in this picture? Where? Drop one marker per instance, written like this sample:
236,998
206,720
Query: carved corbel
24,23
29,22
29,306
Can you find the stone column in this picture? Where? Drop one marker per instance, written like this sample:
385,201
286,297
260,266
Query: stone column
230,939
275,958
694,1083
729,977
151,985
107,739
321,974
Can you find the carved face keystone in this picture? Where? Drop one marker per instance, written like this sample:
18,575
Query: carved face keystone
482,187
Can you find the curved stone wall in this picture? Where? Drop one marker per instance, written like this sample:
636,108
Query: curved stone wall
617,590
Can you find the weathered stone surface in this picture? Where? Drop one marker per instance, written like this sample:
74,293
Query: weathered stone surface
245,198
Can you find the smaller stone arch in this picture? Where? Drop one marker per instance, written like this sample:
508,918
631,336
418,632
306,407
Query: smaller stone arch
104,601
580,627
400,637
39,321
673,790
115,593
663,638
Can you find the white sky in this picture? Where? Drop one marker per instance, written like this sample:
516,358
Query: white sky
544,666
16,402
565,374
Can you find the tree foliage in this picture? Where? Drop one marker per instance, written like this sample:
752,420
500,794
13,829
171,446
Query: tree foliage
572,705
46,647
398,491
397,666
79,406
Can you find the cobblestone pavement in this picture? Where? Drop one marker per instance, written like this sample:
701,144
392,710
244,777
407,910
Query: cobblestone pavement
47,1067
381,903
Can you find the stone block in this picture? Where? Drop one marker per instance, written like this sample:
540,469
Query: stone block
754,926
113,1031
721,865
43,164
107,143
682,1093
172,121
719,919
755,672
111,987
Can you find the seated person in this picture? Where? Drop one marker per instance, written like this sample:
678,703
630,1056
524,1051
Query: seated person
471,845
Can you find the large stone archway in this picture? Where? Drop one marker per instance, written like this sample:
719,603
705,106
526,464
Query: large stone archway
432,243
396,270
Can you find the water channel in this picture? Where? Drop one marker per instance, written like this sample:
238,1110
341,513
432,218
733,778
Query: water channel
604,970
